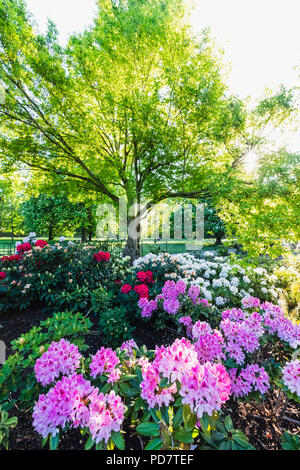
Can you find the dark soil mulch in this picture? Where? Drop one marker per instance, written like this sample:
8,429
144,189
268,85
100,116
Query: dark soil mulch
263,424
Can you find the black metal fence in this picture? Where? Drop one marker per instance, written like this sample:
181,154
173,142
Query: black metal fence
7,249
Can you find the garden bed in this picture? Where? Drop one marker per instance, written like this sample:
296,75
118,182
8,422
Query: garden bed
260,423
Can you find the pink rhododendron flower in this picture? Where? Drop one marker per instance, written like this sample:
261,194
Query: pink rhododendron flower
252,377
291,376
151,392
147,306
277,323
205,388
104,362
106,414
174,361
250,302
128,346
61,358
64,403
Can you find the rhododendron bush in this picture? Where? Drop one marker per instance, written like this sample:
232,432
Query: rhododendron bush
174,394
57,276
220,280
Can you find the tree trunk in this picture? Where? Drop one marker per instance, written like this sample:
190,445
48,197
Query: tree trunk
219,236
83,234
50,233
132,248
133,243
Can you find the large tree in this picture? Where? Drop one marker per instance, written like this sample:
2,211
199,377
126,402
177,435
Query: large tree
135,106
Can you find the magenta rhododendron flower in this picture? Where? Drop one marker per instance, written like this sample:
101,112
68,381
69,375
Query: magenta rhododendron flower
2,275
11,258
101,256
147,306
187,322
41,243
61,358
23,247
142,291
126,288
145,277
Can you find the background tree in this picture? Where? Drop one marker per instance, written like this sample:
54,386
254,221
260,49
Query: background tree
135,106
52,216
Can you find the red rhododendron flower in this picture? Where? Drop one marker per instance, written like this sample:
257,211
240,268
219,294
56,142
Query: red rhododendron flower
142,291
41,243
11,258
101,256
23,247
126,288
2,275
145,276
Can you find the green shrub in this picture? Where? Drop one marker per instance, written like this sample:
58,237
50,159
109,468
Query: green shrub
17,380
114,326
5,424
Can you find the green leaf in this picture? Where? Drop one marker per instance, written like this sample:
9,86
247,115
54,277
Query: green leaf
243,444
183,436
118,440
154,444
148,429
54,441
89,444
228,423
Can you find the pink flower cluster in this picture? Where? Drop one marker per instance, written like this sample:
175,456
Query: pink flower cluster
291,376
61,358
187,322
241,334
150,389
147,306
128,346
101,256
75,401
65,402
278,324
106,414
104,362
205,388
251,302
209,343
250,378
170,294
